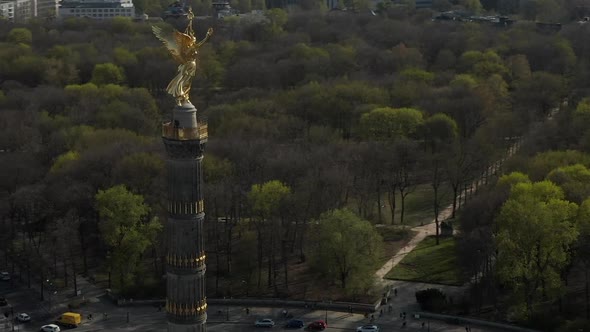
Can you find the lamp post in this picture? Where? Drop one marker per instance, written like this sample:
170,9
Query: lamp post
50,291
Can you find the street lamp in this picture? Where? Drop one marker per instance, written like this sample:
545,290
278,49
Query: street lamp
50,291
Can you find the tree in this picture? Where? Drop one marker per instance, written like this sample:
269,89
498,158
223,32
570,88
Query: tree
583,248
440,132
543,163
124,230
535,228
107,73
538,94
266,200
574,180
344,247
20,36
391,123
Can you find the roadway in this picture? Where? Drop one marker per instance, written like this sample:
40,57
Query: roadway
228,319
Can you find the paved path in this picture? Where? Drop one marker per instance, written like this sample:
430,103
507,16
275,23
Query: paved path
430,228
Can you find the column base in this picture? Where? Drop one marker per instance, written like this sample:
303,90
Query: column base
174,327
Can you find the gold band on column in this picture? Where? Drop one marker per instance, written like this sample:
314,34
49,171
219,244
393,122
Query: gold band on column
175,207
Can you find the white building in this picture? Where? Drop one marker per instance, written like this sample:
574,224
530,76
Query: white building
98,9
17,10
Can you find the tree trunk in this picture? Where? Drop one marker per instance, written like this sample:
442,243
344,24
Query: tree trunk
587,293
379,216
270,260
455,187
75,276
65,272
392,203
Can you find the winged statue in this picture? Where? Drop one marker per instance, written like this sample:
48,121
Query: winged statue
184,49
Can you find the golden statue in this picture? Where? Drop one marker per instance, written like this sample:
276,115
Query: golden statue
184,49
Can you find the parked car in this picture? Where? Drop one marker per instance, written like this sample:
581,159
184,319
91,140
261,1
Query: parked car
4,276
367,328
266,322
3,302
295,324
23,318
318,325
50,328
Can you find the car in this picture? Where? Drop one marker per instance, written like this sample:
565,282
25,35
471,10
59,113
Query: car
4,276
318,325
266,322
50,328
295,324
23,318
367,328
3,302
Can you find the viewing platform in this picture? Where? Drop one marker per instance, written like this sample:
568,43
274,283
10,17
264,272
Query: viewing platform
169,131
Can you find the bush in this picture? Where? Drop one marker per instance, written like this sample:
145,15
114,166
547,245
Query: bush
431,299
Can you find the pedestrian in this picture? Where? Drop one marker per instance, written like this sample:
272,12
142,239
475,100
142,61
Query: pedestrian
372,318
466,329
284,313
381,312
247,311
395,291
422,324
350,309
404,324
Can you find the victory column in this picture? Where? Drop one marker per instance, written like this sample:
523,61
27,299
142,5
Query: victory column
184,138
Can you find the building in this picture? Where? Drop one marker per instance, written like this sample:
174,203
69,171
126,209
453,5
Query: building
98,9
184,138
17,10
47,8
423,4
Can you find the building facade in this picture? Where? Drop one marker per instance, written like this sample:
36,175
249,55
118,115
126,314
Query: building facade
47,8
18,11
184,138
97,9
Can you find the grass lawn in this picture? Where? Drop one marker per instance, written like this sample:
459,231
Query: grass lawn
431,263
419,207
394,238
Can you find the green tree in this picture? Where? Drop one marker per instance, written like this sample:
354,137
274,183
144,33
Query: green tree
391,123
574,180
346,248
543,163
535,228
107,73
583,248
124,230
266,201
20,36
440,131
538,94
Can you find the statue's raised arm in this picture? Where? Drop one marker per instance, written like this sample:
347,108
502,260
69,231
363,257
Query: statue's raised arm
184,49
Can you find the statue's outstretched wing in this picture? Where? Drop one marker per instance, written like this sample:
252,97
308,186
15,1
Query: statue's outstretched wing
177,43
